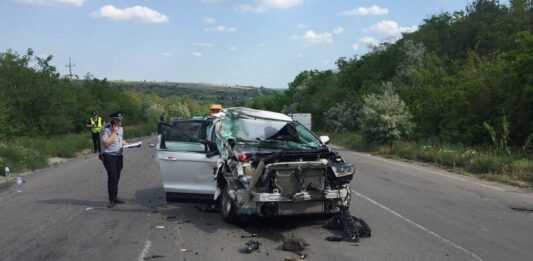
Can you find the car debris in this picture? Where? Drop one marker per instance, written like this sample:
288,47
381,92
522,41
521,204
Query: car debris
353,228
160,227
209,208
295,245
184,221
251,246
89,208
153,257
249,235
165,217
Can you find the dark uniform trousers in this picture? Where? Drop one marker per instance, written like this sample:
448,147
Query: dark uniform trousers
96,142
113,166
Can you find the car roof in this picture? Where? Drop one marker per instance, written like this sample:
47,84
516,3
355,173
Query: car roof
253,113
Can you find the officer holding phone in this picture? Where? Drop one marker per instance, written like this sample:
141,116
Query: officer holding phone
112,141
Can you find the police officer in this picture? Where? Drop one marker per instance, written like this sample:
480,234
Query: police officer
95,124
112,141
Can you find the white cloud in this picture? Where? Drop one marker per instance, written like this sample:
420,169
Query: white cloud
355,46
301,56
369,40
206,44
52,2
197,54
373,10
262,45
391,28
338,30
302,25
220,28
233,48
257,5
167,54
137,14
311,37
210,20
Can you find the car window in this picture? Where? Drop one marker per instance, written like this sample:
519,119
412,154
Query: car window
185,136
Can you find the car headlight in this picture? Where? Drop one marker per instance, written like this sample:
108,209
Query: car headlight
343,169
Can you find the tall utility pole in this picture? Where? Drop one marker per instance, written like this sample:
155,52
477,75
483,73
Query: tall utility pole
70,65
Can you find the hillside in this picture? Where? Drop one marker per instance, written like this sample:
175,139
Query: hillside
200,92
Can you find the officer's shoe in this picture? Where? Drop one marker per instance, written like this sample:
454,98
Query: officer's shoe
118,201
111,204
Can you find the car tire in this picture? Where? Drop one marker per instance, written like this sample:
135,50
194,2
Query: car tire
227,206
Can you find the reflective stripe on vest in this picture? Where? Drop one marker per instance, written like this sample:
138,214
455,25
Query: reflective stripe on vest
96,127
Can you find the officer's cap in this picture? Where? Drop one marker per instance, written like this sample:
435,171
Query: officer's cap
116,115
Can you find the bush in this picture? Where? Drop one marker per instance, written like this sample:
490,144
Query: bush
523,169
140,130
19,158
384,118
341,117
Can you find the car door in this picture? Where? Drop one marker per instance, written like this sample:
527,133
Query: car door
187,158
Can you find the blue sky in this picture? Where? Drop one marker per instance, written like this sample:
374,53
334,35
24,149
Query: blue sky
254,42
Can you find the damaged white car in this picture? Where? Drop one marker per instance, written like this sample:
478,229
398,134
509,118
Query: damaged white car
253,163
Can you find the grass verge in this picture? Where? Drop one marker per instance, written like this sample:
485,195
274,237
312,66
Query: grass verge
30,153
516,168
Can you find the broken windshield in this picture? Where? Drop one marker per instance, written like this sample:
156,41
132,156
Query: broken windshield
269,134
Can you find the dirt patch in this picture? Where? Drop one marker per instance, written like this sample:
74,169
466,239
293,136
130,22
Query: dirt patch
54,161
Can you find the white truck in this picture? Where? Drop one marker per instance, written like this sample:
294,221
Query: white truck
303,118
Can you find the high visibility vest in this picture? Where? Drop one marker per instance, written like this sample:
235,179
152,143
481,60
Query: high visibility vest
96,126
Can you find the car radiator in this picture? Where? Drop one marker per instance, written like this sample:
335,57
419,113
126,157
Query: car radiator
295,177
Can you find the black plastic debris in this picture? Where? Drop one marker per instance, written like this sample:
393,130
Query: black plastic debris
525,210
251,246
209,208
153,257
353,228
165,217
295,245
184,221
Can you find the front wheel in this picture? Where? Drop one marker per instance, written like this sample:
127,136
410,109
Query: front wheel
228,209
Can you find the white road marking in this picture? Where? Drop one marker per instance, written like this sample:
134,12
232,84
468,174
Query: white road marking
146,248
447,241
487,186
408,166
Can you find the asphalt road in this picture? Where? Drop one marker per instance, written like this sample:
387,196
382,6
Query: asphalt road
415,212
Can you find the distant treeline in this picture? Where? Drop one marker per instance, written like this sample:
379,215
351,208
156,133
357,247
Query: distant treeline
36,101
465,77
228,96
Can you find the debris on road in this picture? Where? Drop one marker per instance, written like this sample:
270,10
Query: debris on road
183,250
249,235
251,246
352,227
209,208
160,227
295,245
165,217
185,221
520,209
150,144
153,257
89,208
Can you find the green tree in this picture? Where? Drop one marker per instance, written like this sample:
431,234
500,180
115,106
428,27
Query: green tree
384,118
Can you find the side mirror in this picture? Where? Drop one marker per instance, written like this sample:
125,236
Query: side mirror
324,139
